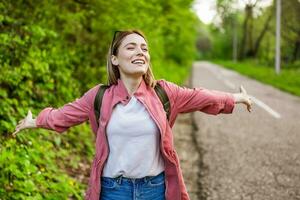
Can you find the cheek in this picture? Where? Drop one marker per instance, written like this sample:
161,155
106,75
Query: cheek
147,56
124,60
126,55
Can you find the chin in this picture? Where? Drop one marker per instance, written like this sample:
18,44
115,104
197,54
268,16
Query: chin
139,73
141,70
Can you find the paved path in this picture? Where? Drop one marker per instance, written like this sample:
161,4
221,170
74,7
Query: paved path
243,156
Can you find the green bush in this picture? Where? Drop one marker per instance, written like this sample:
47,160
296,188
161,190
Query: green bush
51,52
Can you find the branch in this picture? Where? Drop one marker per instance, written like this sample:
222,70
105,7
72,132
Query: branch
255,3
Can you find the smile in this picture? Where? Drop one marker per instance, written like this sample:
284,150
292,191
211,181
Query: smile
138,61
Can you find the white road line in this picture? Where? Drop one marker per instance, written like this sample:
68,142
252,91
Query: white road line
255,100
229,84
265,107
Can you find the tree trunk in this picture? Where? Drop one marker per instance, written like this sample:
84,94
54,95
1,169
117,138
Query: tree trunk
261,35
296,51
244,42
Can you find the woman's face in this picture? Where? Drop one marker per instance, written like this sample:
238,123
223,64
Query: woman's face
133,57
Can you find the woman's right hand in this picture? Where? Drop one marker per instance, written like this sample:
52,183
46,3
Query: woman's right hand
27,122
244,98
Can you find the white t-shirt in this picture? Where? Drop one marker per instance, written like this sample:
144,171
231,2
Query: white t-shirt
134,141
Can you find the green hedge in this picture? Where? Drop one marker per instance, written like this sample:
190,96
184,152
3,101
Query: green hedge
51,52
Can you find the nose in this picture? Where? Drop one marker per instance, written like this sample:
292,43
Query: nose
139,51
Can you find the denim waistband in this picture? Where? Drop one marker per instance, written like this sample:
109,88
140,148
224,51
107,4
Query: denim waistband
145,179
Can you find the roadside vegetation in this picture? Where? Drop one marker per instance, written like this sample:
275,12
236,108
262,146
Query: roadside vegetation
243,39
288,80
51,52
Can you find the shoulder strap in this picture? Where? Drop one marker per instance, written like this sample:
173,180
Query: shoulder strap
98,101
161,93
163,97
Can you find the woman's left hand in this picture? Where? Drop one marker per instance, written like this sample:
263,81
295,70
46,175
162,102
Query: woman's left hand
244,98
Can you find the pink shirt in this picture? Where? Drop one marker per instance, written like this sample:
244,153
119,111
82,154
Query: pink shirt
182,100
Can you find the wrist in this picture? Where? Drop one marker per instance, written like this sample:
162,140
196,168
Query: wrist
237,98
32,123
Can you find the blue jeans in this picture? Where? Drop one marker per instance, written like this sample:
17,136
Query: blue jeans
121,188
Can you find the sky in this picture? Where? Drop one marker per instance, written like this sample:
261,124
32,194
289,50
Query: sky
205,9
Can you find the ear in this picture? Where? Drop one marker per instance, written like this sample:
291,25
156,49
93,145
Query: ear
114,60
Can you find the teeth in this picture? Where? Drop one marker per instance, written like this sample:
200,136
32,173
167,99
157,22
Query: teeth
138,62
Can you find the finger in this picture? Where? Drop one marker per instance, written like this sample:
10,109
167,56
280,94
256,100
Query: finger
20,126
250,101
249,109
21,122
15,133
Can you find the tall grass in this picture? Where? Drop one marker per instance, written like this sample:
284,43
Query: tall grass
288,80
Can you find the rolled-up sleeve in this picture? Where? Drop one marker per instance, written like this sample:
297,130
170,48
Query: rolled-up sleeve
60,119
185,100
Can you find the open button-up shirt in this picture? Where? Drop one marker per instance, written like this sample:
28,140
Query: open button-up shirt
182,100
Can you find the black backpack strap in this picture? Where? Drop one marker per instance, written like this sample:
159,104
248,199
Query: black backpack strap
98,101
161,93
163,97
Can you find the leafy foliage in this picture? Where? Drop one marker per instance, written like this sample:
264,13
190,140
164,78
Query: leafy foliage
254,29
51,52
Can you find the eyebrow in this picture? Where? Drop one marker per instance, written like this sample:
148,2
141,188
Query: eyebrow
133,43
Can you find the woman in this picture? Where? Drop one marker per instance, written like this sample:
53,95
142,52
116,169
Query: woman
135,156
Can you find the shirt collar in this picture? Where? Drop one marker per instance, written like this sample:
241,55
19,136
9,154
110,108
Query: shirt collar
122,93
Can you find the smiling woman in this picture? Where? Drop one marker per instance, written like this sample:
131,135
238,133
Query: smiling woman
130,57
135,156
126,47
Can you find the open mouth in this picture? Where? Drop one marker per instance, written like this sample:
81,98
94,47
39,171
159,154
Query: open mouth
138,61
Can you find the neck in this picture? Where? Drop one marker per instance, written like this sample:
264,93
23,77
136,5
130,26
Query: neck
131,84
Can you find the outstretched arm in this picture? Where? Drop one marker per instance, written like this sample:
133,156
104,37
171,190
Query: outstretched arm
60,119
184,100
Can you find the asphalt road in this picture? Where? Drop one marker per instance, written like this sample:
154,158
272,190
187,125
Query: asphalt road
241,156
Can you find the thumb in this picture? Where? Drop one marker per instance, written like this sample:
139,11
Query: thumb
242,90
29,114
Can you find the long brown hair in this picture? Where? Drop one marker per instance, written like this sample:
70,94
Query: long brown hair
113,73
